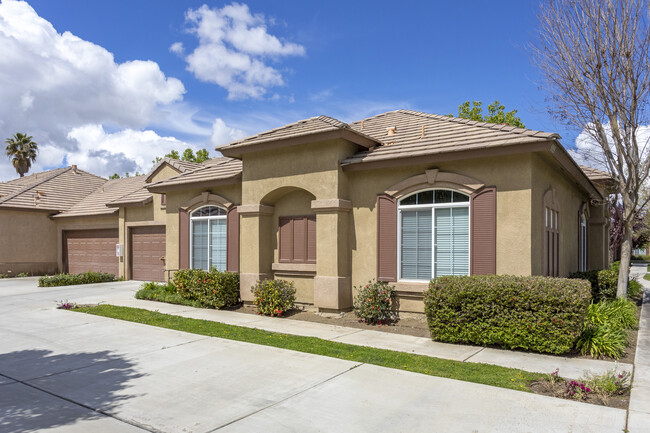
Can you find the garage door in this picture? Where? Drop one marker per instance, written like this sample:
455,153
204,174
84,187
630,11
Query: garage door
90,250
147,249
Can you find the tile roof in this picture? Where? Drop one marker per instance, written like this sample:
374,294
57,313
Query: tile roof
418,133
96,203
55,190
301,128
595,174
180,166
214,170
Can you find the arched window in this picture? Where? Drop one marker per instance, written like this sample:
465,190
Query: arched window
582,242
208,238
433,235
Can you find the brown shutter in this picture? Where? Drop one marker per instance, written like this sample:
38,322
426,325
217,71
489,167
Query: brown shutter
286,239
483,232
386,238
300,240
183,239
232,243
311,239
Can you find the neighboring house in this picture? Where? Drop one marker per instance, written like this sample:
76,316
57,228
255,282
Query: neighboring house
402,197
28,235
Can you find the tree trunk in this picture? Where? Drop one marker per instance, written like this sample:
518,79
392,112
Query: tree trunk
626,255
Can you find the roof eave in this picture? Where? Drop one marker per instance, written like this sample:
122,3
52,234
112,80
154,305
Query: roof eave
236,151
232,180
89,214
142,202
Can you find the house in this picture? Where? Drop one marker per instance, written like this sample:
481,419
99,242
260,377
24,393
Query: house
403,197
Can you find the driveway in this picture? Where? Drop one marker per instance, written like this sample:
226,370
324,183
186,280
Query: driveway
67,371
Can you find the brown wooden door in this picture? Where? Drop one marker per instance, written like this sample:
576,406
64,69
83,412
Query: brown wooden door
147,250
90,250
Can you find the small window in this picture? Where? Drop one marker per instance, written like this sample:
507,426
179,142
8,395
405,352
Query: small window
163,200
582,243
297,239
208,238
552,243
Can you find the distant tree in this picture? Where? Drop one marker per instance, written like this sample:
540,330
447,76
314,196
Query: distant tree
188,155
22,151
114,176
496,113
640,228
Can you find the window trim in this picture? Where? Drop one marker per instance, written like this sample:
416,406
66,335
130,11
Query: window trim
206,218
432,206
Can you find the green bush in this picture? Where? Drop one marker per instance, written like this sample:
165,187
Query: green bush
634,288
22,275
74,279
601,341
373,303
214,289
533,313
274,297
603,283
619,313
164,293
3,276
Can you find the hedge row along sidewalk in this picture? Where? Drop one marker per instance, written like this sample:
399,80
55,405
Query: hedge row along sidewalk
485,374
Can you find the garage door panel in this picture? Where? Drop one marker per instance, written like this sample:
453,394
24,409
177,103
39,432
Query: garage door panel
147,247
91,250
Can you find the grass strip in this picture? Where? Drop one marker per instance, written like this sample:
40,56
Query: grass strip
493,375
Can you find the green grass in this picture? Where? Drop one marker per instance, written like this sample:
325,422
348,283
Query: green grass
165,293
470,372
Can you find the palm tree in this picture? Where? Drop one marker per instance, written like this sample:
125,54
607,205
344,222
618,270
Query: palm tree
22,151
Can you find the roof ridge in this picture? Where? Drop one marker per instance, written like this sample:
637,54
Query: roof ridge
29,187
488,125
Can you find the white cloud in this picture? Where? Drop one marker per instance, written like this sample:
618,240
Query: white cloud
234,48
223,134
177,48
56,82
128,150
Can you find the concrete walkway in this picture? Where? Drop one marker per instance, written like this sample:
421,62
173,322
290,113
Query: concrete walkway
639,412
572,368
72,372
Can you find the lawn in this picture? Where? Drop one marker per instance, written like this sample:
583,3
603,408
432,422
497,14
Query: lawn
470,372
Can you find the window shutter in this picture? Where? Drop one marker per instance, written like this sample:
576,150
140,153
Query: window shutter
232,243
286,239
386,238
300,240
311,239
483,231
183,239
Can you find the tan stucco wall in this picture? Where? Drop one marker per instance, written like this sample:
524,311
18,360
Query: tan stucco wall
570,198
27,242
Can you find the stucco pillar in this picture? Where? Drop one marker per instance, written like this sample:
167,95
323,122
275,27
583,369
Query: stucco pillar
332,283
255,251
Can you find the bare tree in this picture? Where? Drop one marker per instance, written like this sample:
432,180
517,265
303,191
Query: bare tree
594,57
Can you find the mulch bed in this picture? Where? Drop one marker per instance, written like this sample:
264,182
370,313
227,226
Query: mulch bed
558,389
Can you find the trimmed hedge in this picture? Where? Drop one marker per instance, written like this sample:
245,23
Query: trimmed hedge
274,297
603,283
75,279
215,289
541,314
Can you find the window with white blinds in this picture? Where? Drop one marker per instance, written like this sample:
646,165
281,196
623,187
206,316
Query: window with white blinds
434,235
208,238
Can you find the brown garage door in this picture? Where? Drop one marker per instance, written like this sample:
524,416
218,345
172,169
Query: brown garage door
90,250
147,249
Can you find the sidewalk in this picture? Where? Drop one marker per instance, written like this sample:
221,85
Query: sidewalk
639,412
572,368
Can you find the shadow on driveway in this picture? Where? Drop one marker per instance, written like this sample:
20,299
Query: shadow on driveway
61,396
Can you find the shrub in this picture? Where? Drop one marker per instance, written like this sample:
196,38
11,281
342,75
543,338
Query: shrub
603,340
214,289
619,313
274,297
373,303
22,275
609,384
74,279
164,293
603,283
3,276
634,288
532,313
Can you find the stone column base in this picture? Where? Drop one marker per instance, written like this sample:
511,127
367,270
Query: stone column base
246,281
332,293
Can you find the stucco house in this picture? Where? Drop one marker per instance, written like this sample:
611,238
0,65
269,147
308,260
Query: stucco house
403,197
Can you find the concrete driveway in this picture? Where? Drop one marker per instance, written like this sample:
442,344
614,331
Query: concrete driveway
67,371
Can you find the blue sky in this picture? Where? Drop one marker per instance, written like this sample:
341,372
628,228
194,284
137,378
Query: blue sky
347,59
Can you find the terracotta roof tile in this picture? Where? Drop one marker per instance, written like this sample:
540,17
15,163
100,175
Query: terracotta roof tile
595,174
55,190
96,203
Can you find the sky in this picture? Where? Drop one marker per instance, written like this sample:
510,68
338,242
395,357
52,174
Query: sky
111,85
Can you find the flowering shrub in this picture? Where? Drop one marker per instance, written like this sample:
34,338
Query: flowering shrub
66,305
609,384
274,297
215,289
373,303
74,279
576,390
541,314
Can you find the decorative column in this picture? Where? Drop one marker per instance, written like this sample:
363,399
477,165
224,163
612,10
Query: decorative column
332,284
256,253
